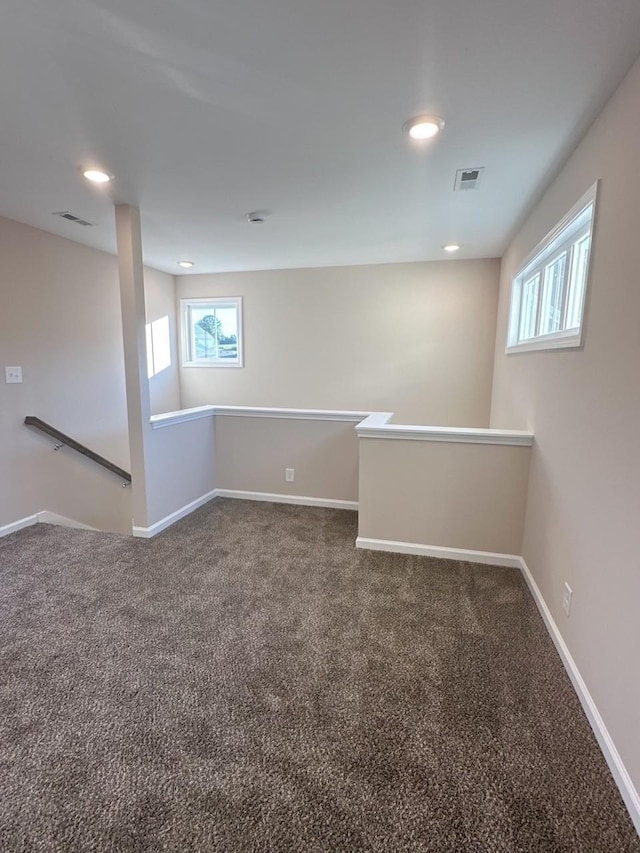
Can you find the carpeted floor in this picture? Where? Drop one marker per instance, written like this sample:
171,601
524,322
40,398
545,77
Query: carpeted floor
248,681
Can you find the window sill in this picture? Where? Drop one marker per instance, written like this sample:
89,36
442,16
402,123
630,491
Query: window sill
221,363
548,342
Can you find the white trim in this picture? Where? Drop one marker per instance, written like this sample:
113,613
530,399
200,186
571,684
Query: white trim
368,424
558,240
452,434
18,525
290,414
486,557
376,419
181,416
618,770
287,499
557,340
589,197
168,520
43,517
47,517
167,419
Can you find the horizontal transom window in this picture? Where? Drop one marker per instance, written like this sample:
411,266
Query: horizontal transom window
548,292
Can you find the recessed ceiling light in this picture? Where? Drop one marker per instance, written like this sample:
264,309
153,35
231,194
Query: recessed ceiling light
451,247
257,216
186,264
423,127
96,176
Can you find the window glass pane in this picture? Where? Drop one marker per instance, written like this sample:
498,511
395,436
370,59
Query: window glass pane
214,331
228,332
205,332
552,293
529,308
577,282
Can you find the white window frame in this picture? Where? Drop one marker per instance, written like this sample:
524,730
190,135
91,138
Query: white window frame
575,225
188,345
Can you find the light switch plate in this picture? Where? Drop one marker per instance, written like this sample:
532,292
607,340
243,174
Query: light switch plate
12,375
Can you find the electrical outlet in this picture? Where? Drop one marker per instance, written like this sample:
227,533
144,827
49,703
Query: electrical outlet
566,598
289,474
12,375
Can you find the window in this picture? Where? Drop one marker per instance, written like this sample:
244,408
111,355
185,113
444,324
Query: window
212,332
548,293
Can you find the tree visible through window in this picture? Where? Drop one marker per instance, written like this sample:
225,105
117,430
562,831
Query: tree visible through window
212,332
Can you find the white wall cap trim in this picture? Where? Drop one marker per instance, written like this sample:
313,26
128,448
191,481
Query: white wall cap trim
368,424
168,520
168,419
298,500
451,434
440,552
616,765
290,414
376,420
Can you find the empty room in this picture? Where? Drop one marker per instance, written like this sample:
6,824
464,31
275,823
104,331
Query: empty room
319,404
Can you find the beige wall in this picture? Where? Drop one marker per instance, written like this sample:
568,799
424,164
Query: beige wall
252,453
447,494
312,340
180,466
584,407
160,301
172,467
60,321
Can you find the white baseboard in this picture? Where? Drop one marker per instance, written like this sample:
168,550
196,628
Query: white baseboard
487,557
19,524
46,517
168,520
612,756
618,770
287,499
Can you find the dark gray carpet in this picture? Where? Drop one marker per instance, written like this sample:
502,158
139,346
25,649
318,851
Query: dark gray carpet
248,681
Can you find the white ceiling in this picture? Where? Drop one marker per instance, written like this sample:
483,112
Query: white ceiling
206,110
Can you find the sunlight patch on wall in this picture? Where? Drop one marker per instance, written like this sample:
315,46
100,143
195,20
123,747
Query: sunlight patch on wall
158,346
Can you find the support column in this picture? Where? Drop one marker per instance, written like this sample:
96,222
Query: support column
131,273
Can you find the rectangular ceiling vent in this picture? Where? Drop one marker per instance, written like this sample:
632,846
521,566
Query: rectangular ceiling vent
64,214
468,179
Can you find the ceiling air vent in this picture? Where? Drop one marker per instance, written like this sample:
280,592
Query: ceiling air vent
64,214
468,179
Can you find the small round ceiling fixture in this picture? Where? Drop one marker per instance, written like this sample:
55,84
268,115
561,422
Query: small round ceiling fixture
451,248
186,265
96,176
256,217
423,127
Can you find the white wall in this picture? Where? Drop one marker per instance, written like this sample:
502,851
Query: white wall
584,408
416,339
